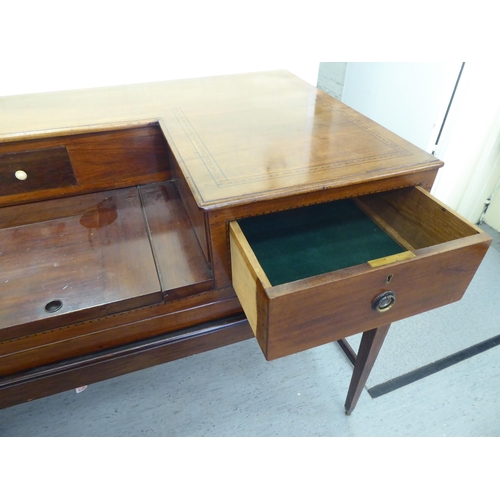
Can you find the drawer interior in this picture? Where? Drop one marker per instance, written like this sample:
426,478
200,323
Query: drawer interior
313,240
415,218
316,239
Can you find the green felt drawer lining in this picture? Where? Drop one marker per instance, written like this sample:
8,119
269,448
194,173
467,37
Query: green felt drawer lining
308,241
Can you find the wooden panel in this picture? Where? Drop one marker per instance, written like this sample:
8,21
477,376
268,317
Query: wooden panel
95,262
35,170
415,218
43,211
129,156
112,363
180,261
29,352
107,331
246,272
195,214
295,142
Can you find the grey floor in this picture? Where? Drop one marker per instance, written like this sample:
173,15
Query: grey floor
233,391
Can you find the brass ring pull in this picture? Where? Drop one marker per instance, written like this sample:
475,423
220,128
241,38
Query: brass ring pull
384,301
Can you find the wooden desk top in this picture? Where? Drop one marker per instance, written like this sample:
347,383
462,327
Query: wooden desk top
238,139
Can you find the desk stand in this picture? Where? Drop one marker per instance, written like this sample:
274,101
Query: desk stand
363,362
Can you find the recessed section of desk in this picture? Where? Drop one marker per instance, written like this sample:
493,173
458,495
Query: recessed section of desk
87,256
182,267
82,162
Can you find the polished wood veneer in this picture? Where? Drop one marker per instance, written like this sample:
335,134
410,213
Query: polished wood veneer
181,265
121,248
95,256
79,162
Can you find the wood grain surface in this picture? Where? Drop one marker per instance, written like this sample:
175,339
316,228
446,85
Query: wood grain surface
41,169
180,261
73,164
238,138
97,258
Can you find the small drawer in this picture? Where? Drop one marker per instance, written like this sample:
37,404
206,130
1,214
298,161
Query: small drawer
316,274
36,170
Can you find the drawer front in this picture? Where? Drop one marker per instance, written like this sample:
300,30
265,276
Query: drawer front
434,270
36,170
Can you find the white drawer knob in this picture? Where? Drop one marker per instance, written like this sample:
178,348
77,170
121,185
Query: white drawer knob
21,175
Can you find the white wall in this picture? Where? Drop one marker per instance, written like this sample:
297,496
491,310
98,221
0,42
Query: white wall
331,78
470,142
101,73
492,215
409,99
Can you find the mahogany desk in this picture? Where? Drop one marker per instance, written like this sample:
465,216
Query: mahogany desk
140,224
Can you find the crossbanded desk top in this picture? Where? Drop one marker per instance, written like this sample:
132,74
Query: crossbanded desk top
237,139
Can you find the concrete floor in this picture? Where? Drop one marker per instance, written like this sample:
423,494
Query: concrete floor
233,391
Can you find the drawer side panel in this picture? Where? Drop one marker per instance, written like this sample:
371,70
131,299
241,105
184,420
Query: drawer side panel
415,218
247,276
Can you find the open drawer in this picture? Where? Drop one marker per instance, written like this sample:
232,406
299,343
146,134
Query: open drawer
317,274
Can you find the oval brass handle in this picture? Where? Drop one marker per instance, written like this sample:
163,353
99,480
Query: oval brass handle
384,301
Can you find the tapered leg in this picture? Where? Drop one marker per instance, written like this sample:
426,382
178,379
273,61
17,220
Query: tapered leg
371,342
